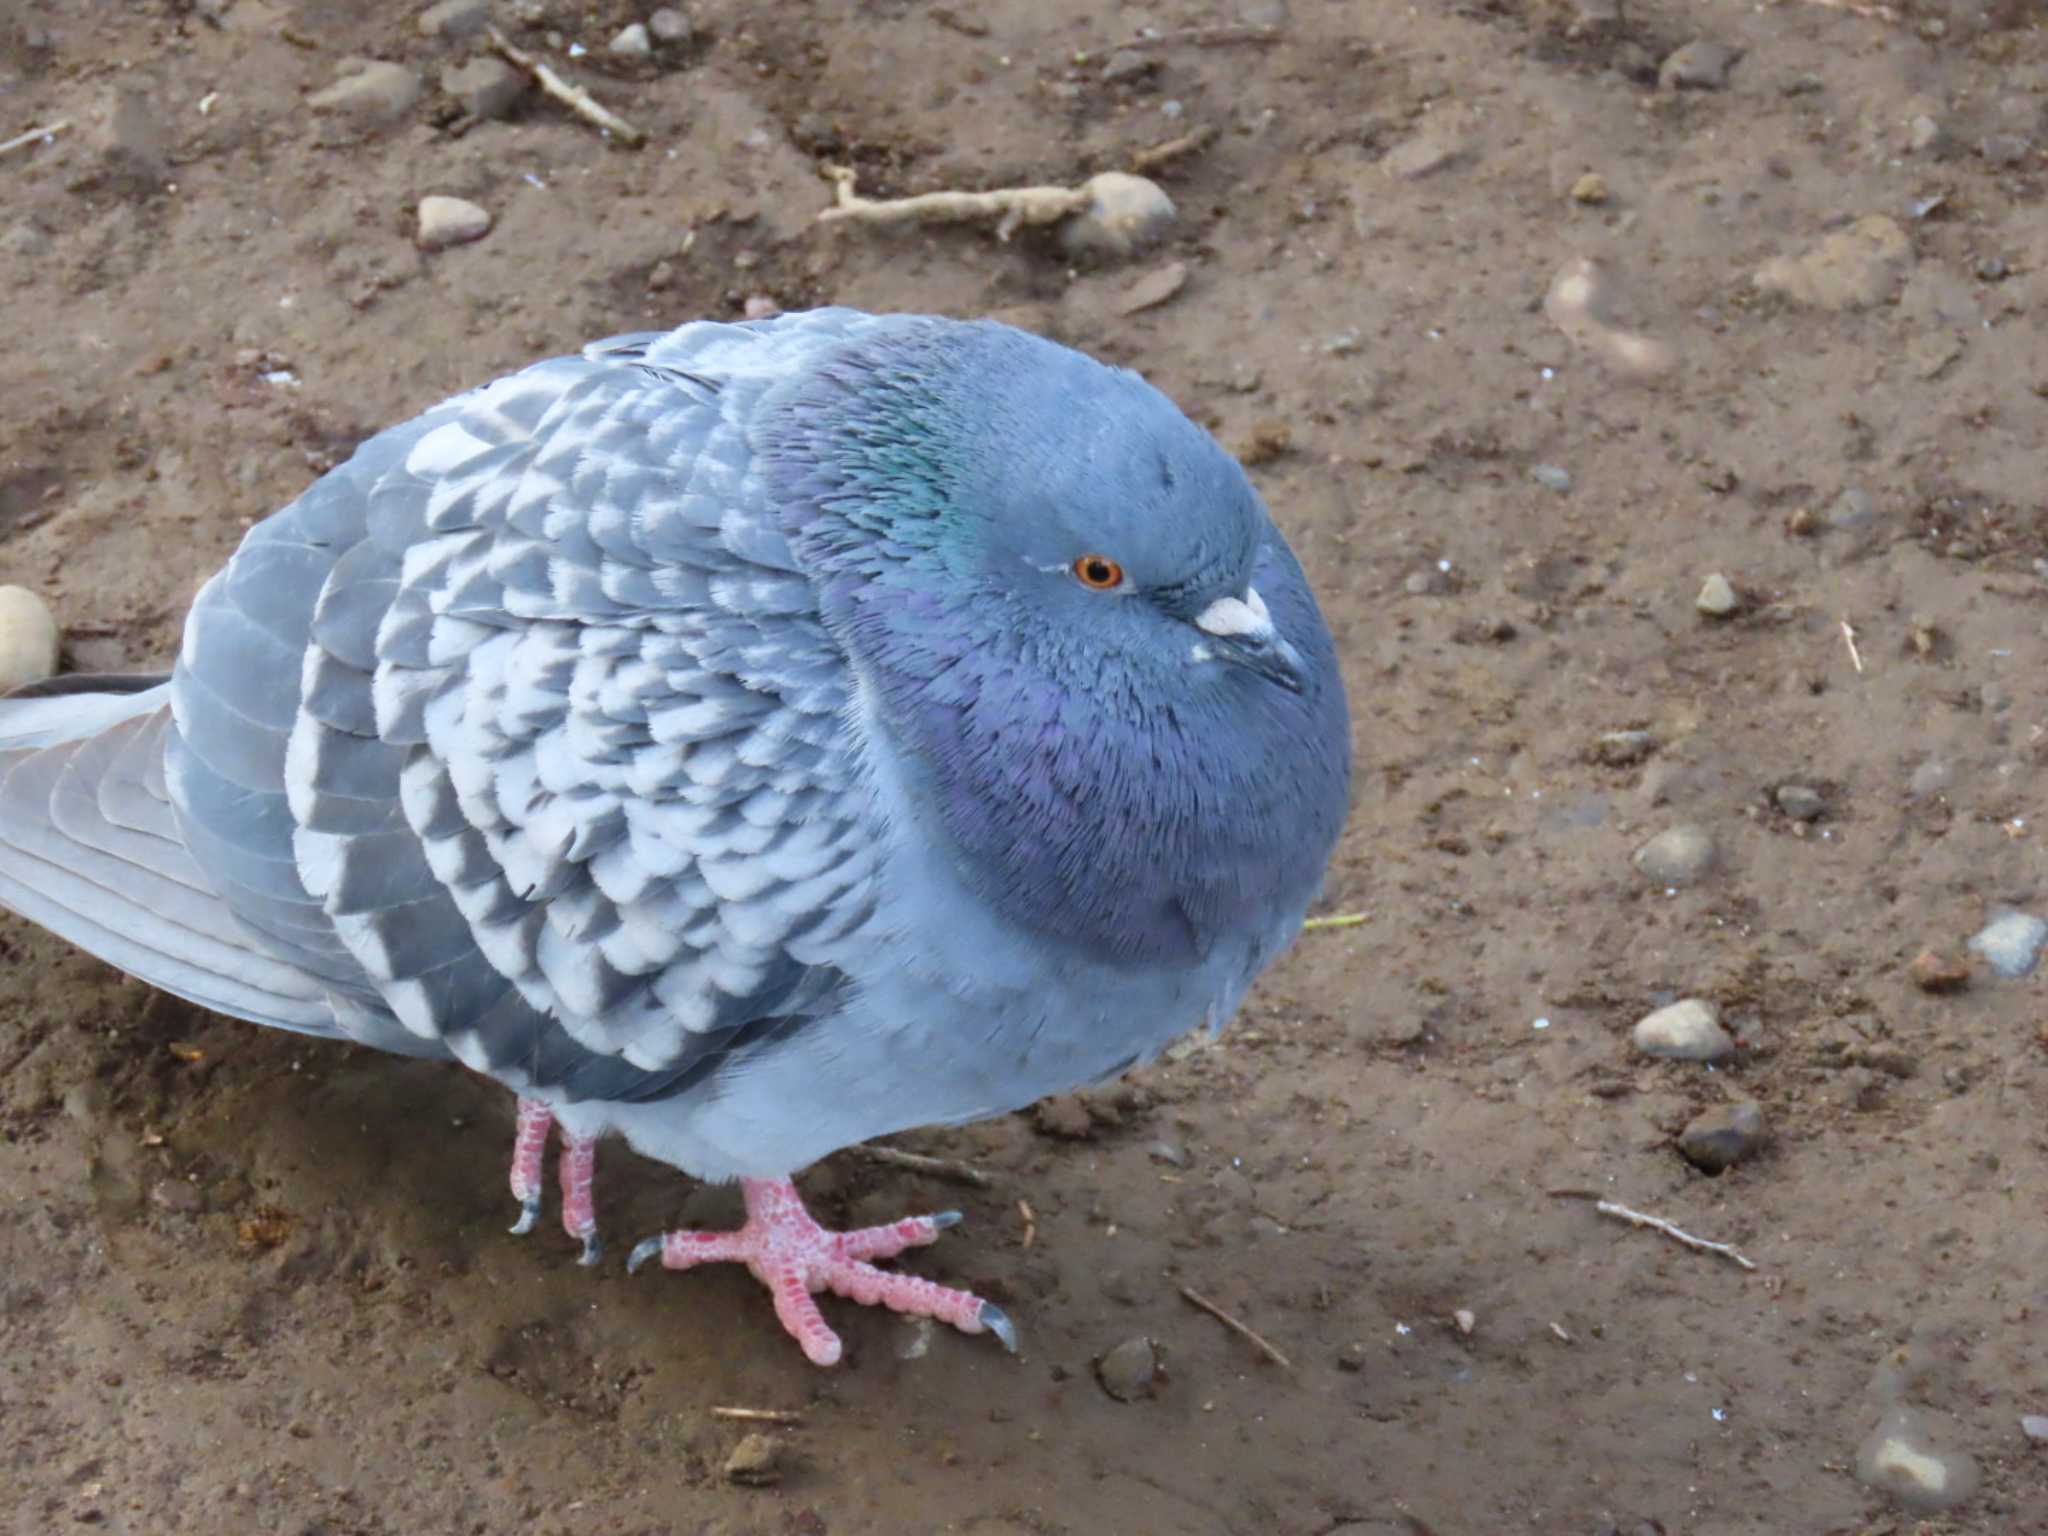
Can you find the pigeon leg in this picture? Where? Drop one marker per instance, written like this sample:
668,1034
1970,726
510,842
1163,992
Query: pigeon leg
579,1215
793,1256
528,1148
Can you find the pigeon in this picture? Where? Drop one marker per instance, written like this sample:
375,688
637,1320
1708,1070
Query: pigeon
747,740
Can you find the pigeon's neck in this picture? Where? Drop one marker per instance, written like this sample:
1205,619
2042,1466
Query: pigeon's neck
1080,812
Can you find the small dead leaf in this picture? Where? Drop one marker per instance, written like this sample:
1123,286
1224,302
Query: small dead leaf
1154,288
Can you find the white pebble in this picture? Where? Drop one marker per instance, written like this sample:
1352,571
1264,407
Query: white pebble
446,221
2011,942
2034,1426
633,42
1717,597
28,639
1687,1030
1126,214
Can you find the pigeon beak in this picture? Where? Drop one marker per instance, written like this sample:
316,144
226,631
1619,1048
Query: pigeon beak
1244,634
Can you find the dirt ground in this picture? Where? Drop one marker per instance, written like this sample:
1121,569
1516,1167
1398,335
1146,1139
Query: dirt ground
254,1283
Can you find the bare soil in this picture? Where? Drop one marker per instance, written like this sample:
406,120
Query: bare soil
254,1283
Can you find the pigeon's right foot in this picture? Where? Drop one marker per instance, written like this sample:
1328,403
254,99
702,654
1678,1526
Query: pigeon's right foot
793,1256
578,1166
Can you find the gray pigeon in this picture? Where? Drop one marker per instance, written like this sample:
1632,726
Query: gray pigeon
748,740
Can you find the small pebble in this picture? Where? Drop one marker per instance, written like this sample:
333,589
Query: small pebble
1801,802
1723,1136
1925,135
1936,970
1129,1371
1552,478
2035,1426
1931,778
670,27
1678,855
1422,156
632,42
1128,64
446,221
28,639
454,18
377,93
2006,149
755,1462
484,87
1427,584
1717,597
1465,1320
1590,189
1898,1457
1126,213
2011,942
1699,66
1153,289
1064,1116
1171,1153
1687,1030
1619,749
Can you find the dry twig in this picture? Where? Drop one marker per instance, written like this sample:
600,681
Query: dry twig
1011,207
1859,8
760,1415
937,1167
1337,920
574,97
1206,37
1677,1234
33,136
1159,154
1849,639
1264,1347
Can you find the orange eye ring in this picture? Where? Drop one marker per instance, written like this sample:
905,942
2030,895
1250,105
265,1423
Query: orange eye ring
1098,572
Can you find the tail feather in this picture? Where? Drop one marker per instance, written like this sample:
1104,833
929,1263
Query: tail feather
90,848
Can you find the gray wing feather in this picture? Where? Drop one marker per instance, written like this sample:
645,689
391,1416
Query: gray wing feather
563,770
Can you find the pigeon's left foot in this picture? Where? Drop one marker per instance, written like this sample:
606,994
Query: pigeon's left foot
579,1163
793,1256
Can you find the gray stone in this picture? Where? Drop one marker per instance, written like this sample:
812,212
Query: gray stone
1802,802
1854,508
1618,749
446,221
1423,155
1699,66
670,26
1129,1371
2006,149
1901,1458
2034,1426
1722,1137
1930,778
1854,268
1717,599
632,42
1678,855
485,87
1925,135
28,639
132,143
1687,1030
455,18
2011,942
1128,64
755,1462
375,94
1552,478
1125,214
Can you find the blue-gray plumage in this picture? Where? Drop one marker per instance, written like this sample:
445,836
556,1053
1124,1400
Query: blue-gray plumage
749,740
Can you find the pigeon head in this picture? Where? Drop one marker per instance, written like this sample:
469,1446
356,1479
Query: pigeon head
1100,662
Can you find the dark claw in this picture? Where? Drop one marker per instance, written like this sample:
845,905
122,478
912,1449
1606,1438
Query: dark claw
642,1252
529,1213
997,1322
945,1219
593,1250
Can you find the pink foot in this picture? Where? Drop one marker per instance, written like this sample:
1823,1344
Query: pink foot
793,1256
579,1163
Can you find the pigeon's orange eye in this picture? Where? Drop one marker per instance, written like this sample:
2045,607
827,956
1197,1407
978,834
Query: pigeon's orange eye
1099,572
